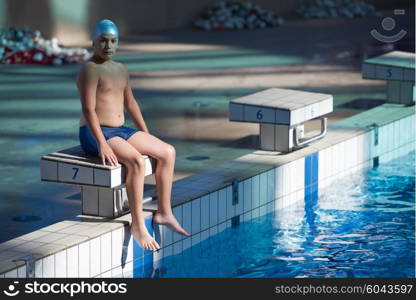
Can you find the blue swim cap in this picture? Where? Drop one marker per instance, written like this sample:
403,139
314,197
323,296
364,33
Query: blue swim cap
104,26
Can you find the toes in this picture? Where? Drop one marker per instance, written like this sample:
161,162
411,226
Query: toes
150,246
183,232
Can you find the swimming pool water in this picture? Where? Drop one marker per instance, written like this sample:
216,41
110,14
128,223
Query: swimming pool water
362,225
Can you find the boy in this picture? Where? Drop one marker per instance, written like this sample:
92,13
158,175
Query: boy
105,91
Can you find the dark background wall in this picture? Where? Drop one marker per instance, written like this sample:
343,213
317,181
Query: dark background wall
71,21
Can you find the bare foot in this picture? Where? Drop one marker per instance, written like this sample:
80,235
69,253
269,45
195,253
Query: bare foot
143,238
170,221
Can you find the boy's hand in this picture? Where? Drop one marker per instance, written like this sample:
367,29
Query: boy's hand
106,153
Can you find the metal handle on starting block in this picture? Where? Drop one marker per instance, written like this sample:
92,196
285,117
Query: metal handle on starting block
299,143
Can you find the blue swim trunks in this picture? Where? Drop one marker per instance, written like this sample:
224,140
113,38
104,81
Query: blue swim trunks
87,140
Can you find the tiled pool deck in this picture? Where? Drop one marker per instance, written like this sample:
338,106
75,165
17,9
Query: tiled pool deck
210,201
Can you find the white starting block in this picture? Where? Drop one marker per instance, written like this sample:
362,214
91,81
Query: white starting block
281,114
398,68
102,187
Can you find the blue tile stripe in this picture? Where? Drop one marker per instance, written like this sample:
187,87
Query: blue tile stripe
141,257
137,259
308,163
311,188
311,169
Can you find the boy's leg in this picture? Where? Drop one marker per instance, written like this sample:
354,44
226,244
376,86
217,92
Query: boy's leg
134,162
165,155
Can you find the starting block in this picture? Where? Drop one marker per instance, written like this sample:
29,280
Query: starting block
281,114
398,69
103,191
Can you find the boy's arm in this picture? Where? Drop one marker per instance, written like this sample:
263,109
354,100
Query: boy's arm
133,108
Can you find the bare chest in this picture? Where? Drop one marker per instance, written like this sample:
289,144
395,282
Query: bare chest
111,82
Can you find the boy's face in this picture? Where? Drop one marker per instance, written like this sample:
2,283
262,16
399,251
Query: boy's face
105,45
